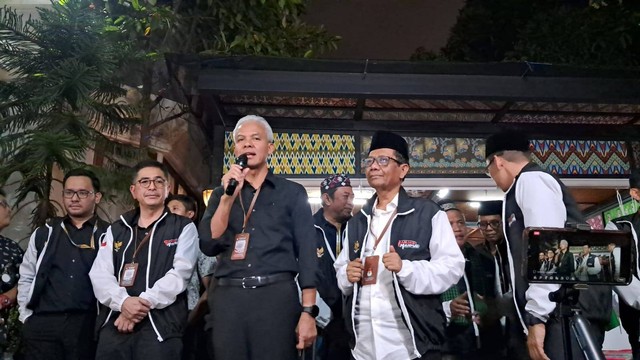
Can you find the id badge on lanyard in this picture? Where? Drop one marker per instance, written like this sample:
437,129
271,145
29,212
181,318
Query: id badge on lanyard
370,272
241,243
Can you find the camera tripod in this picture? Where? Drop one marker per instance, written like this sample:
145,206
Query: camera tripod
573,323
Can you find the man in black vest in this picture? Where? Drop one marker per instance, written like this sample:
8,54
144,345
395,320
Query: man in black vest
400,255
536,198
629,295
473,330
330,222
141,272
588,265
56,300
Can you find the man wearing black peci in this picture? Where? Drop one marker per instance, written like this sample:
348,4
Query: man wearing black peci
534,198
263,233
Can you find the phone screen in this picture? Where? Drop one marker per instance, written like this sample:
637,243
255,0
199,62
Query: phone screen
571,256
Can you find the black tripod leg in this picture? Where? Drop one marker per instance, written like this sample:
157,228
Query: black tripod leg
580,329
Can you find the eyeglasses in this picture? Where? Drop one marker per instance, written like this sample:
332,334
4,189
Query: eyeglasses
495,224
4,204
82,194
158,182
381,160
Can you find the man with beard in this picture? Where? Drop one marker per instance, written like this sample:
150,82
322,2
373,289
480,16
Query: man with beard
330,223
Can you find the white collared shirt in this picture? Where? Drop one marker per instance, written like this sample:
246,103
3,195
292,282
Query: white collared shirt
382,334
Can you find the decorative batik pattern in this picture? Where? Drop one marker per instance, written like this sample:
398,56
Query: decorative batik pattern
306,154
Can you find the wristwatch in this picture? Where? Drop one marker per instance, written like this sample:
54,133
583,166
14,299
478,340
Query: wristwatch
311,310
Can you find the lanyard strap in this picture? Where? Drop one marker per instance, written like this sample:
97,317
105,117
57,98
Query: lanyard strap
384,230
92,245
247,214
144,241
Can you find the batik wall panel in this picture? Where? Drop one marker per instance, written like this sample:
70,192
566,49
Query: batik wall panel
306,154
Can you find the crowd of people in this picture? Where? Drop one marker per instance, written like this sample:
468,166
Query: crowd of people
402,278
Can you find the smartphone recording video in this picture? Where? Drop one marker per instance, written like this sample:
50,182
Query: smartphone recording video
574,256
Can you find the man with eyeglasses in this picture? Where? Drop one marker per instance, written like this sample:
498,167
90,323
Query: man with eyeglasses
470,305
400,254
490,225
535,198
141,273
55,297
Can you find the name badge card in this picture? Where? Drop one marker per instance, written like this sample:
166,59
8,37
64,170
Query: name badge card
240,246
128,276
370,272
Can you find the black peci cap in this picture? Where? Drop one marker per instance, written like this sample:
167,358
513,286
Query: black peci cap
389,140
506,140
493,207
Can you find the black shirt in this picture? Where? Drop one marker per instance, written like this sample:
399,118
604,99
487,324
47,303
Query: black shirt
68,287
10,260
282,236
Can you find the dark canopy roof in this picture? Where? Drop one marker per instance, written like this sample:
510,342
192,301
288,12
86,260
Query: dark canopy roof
438,98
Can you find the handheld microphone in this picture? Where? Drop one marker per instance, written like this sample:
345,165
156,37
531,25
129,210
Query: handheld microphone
233,183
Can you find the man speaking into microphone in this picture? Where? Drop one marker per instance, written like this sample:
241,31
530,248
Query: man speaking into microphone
263,233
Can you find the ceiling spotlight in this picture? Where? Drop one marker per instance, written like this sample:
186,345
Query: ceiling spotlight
442,193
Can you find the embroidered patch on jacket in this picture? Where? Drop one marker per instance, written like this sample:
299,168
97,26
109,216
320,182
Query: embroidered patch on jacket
356,246
512,219
320,251
171,242
404,244
117,245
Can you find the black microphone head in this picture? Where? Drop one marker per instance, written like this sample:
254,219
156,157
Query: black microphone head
242,160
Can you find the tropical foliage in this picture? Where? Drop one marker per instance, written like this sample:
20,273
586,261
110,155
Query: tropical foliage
64,96
69,69
593,33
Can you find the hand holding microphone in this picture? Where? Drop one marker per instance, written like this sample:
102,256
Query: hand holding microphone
241,161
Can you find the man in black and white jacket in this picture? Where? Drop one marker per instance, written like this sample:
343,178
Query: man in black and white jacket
534,198
56,302
141,273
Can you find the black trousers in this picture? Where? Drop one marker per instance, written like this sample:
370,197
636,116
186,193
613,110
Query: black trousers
554,340
335,341
67,336
630,319
141,344
255,324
